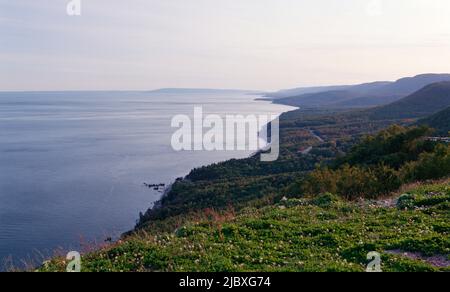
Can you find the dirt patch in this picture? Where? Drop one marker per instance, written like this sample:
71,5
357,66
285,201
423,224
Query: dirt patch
440,261
387,203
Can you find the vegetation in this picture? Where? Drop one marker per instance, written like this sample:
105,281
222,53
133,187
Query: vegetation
381,164
319,211
323,233
439,121
238,183
392,147
352,182
430,165
378,165
427,101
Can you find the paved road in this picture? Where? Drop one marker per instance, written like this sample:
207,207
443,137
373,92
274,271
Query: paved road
316,136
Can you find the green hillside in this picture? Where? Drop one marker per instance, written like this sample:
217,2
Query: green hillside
320,234
362,188
427,101
439,121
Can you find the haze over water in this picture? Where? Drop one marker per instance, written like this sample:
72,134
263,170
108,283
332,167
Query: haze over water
73,164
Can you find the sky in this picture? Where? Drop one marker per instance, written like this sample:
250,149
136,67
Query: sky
239,44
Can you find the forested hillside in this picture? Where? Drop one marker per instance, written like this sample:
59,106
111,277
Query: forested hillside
427,101
370,199
439,121
367,185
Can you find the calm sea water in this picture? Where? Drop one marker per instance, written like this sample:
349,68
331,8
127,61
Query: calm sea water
73,164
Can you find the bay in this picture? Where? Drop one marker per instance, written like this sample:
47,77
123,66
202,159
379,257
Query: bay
73,164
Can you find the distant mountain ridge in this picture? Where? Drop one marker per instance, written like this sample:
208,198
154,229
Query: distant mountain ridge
409,85
363,95
318,99
304,90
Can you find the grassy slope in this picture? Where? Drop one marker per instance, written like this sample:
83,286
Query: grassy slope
324,234
258,233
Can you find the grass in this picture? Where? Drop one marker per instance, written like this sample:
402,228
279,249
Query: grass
319,234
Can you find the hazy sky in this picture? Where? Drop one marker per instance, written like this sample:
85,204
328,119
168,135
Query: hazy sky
251,44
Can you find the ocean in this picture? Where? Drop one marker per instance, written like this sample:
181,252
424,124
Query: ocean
73,164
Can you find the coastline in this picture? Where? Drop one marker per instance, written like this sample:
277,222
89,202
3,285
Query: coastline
159,203
137,151
236,201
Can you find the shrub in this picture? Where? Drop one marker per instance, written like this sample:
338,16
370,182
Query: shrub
432,165
393,147
352,182
325,200
406,201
